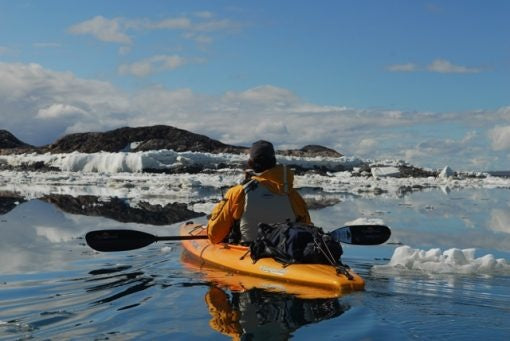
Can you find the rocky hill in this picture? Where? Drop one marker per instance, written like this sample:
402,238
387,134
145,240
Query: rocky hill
140,139
9,141
310,151
143,139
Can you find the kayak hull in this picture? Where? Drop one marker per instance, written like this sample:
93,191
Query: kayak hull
305,280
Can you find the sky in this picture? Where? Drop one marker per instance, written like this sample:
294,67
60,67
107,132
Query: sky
422,81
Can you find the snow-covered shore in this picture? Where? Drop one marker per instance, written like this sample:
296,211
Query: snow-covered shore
136,162
121,175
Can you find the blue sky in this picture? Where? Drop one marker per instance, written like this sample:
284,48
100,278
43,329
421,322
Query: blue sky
423,81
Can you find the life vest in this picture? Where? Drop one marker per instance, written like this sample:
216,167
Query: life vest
261,205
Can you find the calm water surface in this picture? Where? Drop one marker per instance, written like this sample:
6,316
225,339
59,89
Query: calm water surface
52,286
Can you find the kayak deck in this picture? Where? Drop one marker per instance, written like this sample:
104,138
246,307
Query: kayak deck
306,279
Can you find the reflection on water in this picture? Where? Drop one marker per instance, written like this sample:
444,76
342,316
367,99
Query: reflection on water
431,219
120,210
52,286
259,315
442,306
8,201
130,282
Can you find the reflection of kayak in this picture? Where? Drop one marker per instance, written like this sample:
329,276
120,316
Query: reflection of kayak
260,315
305,280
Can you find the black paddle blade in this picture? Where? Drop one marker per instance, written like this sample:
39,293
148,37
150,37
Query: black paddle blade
118,240
362,234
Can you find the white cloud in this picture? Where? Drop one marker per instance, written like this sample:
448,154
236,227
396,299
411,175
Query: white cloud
500,137
438,66
57,110
200,39
108,30
444,150
445,66
264,94
151,65
504,113
367,143
29,91
118,30
63,103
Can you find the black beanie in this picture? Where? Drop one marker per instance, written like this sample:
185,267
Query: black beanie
262,155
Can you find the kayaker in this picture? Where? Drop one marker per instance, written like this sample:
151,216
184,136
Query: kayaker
266,195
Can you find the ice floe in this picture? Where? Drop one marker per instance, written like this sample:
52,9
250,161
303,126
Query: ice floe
435,261
124,175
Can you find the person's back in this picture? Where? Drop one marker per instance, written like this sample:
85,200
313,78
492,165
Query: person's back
267,196
265,201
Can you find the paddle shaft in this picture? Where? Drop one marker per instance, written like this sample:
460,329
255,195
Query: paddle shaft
179,237
123,240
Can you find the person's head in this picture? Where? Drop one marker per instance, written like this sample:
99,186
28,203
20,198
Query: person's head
262,156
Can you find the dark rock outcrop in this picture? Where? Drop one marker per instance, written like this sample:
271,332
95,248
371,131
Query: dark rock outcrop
37,166
311,150
414,172
8,201
117,209
9,141
144,139
147,138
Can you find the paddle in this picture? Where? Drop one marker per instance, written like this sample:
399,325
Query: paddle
362,234
123,240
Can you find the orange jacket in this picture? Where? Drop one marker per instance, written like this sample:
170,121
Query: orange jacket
231,207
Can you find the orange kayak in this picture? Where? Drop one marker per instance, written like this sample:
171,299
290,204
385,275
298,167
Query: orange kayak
232,266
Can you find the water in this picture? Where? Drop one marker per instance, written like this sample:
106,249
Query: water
52,286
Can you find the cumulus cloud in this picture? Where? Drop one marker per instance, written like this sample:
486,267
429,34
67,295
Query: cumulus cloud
437,66
367,143
104,29
58,110
445,66
151,65
452,144
39,105
500,137
120,30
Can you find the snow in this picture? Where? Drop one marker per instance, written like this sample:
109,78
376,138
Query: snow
121,175
446,172
136,162
379,172
434,261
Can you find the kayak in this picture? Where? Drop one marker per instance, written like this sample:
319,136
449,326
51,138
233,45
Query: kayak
305,280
